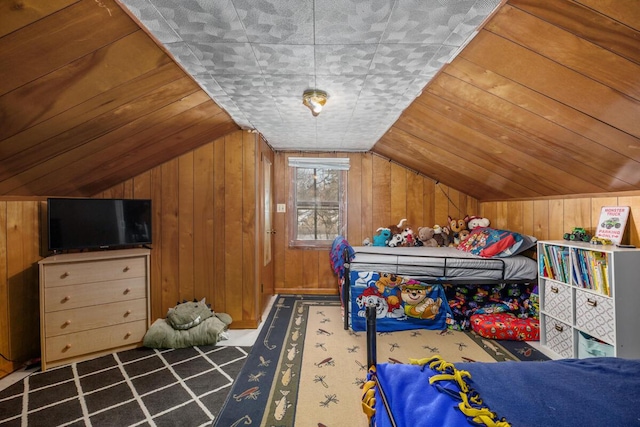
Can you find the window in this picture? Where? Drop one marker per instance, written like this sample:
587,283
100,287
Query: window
317,200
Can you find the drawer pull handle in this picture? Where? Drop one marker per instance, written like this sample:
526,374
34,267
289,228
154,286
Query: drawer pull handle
559,328
126,291
127,335
592,302
127,313
65,299
65,275
126,269
67,347
554,289
67,323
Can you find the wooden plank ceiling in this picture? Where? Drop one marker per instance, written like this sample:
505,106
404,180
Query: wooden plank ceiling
544,101
88,99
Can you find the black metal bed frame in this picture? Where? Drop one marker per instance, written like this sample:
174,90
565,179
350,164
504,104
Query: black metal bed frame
494,264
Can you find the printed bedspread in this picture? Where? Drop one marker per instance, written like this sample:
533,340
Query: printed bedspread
401,303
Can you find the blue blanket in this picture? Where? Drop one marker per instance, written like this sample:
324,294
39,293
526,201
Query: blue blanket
569,392
603,391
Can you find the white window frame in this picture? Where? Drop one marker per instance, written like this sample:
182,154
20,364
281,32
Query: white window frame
295,163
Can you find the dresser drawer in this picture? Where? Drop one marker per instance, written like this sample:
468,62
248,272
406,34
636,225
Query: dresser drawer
594,315
65,274
559,336
94,317
557,301
81,343
75,296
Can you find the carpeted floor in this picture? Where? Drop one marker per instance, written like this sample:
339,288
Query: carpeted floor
141,387
305,370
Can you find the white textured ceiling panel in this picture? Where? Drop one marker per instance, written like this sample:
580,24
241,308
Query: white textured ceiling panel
255,58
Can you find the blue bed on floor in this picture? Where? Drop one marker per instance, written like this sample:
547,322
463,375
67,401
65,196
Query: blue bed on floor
602,391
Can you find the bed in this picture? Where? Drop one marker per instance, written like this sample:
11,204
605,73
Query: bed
568,392
488,256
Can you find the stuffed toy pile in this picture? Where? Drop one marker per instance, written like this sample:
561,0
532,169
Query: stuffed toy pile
402,235
187,324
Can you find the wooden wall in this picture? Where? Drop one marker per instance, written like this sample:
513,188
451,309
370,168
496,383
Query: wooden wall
19,303
205,237
204,227
382,192
204,230
379,193
549,219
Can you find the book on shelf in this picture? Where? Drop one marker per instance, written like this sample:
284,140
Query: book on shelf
545,268
591,270
556,263
612,223
577,272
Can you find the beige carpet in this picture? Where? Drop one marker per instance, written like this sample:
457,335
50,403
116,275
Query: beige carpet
333,365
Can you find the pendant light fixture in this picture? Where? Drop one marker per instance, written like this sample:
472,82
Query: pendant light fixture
315,100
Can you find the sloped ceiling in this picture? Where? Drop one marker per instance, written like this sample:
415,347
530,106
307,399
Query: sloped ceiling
256,58
544,101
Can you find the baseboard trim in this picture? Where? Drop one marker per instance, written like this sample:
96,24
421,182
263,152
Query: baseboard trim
305,291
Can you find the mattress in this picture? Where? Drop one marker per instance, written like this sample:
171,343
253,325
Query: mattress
442,263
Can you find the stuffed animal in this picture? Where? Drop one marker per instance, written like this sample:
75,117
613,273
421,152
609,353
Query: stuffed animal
408,238
425,237
188,314
476,221
396,240
462,236
397,229
456,226
382,238
441,235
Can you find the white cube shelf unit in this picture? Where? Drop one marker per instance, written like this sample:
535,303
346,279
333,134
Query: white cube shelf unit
589,299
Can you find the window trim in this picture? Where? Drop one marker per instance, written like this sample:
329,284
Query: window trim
340,164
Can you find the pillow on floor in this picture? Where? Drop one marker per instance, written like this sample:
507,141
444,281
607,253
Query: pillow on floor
506,326
162,335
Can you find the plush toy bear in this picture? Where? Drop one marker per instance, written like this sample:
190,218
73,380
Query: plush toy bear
425,237
476,221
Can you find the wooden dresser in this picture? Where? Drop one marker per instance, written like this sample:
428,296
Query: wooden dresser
92,303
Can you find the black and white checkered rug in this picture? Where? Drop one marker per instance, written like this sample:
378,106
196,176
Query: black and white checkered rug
141,387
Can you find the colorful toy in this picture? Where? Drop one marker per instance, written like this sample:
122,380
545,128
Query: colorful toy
476,221
577,234
382,238
600,241
456,226
408,238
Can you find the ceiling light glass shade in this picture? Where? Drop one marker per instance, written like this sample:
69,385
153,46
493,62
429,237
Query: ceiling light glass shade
315,100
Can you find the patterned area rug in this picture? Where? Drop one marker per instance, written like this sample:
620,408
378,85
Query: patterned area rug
306,370
142,387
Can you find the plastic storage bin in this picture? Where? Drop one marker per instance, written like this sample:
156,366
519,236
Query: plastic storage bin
589,346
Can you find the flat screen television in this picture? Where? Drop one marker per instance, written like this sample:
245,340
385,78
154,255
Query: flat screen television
77,223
